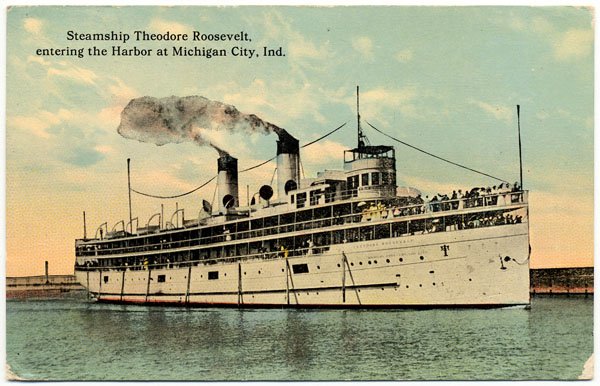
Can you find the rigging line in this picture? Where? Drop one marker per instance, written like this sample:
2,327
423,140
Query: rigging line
324,136
241,171
260,164
303,146
176,196
435,156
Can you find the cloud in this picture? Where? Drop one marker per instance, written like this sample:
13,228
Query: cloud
299,48
40,121
38,60
575,43
32,25
36,125
324,152
501,113
104,149
72,72
374,102
364,46
162,26
303,99
404,56
81,155
571,44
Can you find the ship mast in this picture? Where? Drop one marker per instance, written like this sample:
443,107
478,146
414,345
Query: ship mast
362,139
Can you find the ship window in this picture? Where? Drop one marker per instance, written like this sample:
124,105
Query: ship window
213,275
301,200
293,197
300,268
106,279
364,179
375,178
352,182
161,278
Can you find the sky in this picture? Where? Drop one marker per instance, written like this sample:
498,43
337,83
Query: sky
444,79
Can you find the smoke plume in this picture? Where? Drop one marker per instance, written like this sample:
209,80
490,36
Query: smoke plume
179,119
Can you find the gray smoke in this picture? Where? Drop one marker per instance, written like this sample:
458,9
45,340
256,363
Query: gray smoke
179,119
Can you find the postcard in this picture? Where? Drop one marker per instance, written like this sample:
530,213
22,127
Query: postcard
253,193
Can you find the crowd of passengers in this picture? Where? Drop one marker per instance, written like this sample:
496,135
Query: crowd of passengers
442,202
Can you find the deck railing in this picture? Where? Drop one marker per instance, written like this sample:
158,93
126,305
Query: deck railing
372,214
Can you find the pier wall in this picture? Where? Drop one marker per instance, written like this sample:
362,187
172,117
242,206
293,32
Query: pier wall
562,280
41,286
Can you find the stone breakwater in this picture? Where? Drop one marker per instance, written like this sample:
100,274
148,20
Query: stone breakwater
577,281
40,286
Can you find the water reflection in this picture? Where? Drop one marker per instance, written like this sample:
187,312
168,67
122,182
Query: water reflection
75,340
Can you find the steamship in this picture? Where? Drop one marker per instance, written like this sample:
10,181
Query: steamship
346,238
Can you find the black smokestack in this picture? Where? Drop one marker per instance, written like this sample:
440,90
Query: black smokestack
287,144
227,163
227,182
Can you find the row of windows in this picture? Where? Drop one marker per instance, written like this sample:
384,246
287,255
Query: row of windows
376,178
298,245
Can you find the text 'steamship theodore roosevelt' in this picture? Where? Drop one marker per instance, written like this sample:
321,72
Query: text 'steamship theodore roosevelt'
143,36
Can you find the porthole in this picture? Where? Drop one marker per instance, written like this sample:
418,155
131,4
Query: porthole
282,270
338,265
225,274
382,289
420,285
259,272
387,260
470,279
352,264
318,267
375,261
406,286
244,273
401,260
369,261
360,263
433,283
422,258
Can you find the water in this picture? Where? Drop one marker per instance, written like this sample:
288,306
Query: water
70,339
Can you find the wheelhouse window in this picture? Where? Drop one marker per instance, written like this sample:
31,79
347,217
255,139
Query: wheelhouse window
213,275
352,182
364,179
161,278
300,200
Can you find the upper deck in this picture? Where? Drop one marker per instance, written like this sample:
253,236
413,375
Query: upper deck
402,215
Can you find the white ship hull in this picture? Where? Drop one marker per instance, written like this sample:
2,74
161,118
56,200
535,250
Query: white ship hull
480,267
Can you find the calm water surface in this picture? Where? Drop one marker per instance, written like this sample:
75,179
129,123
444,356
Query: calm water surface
71,339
